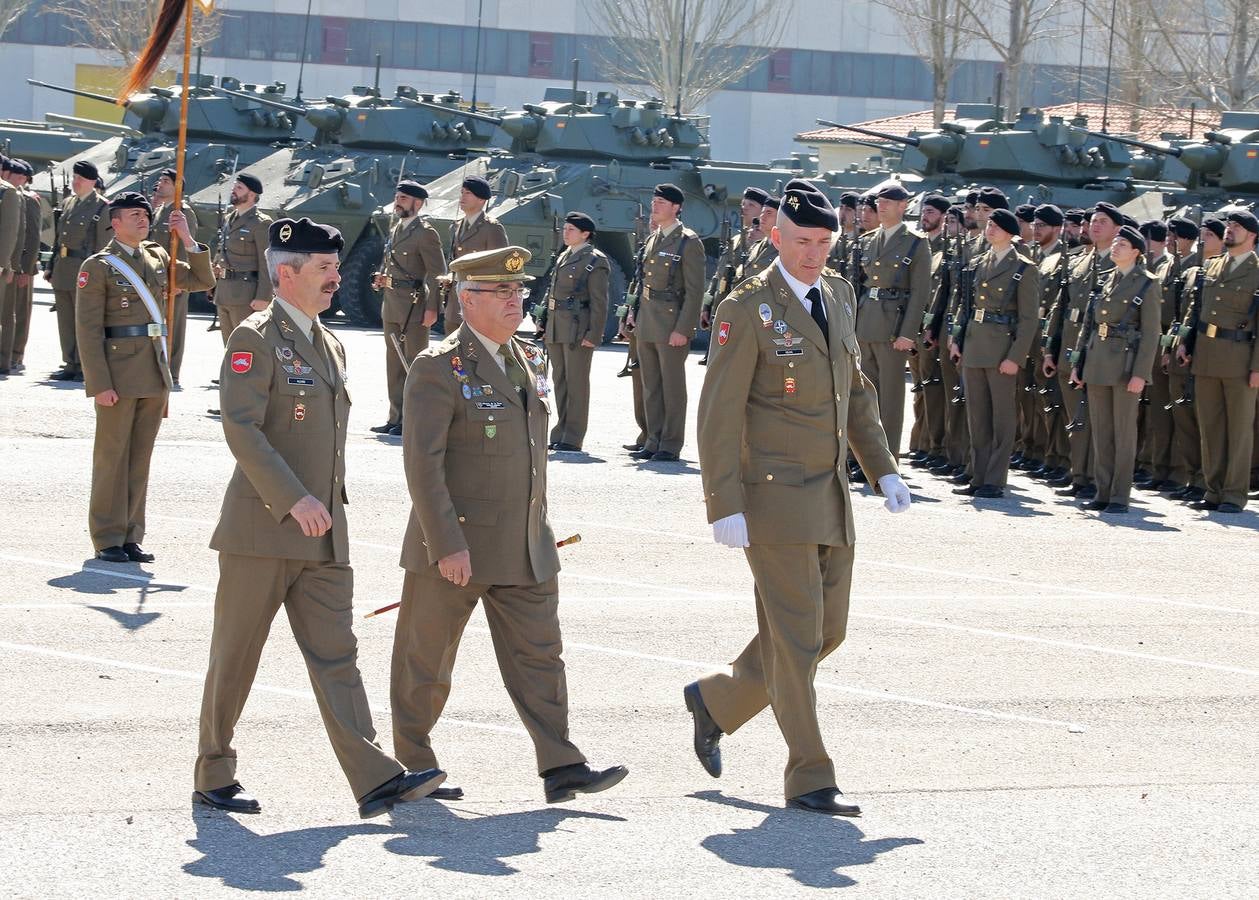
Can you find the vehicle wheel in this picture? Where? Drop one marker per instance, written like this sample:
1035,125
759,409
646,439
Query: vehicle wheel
356,298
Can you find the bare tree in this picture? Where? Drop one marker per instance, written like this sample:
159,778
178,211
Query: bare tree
1026,21
721,42
120,28
936,30
10,11
1212,47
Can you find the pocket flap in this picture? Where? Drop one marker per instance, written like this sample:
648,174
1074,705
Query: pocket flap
773,471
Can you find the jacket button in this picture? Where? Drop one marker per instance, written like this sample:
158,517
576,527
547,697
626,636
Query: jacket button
769,477
301,393
461,519
839,433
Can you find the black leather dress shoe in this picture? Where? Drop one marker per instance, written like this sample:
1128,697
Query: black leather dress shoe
562,447
395,430
402,787
944,468
381,429
565,783
231,798
828,801
1115,509
214,411
966,491
1205,505
1087,491
989,492
632,448
1172,488
1155,485
707,734
642,454
64,375
916,455
1096,505
664,456
921,462
1060,481
113,554
447,792
1230,508
962,477
136,553
1194,494
1071,490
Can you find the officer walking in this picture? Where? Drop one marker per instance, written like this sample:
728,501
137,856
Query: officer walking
475,230
164,197
82,229
243,284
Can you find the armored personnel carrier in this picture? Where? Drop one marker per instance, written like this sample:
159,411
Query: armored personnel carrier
43,143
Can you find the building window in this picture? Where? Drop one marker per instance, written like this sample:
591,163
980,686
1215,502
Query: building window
541,53
780,70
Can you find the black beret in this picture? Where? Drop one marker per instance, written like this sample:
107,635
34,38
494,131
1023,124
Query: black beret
22,167
1132,236
1075,216
670,192
1025,212
972,197
1183,228
412,189
849,199
869,200
130,200
478,187
808,207
581,221
1215,226
937,202
169,173
6,164
1246,220
772,202
993,198
1110,211
1005,220
1154,230
304,236
1131,222
958,213
85,169
250,181
891,190
756,195
1049,214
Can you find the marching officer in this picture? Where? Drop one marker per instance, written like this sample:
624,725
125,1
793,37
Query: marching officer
475,230
576,309
123,342
82,229
281,534
244,287
473,443
408,274
783,397
673,288
164,196
1117,346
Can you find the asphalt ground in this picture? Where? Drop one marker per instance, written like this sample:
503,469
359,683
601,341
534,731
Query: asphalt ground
1032,701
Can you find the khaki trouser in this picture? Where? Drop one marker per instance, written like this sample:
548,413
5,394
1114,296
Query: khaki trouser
66,330
10,301
318,598
1029,439
1053,423
1081,440
1186,459
178,333
636,386
1226,420
1156,437
664,395
918,405
956,428
414,339
934,402
122,451
230,317
885,368
1113,420
525,629
22,329
802,616
992,414
570,376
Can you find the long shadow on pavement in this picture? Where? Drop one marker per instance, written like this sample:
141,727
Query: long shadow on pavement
810,848
98,581
243,859
477,844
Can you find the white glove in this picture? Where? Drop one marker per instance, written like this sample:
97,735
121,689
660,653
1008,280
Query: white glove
733,530
896,492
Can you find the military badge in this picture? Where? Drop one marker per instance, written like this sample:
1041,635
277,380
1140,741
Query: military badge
789,385
286,232
242,362
299,412
723,333
766,314
83,279
491,431
467,392
780,326
514,262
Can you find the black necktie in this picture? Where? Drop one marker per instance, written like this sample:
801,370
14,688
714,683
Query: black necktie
818,313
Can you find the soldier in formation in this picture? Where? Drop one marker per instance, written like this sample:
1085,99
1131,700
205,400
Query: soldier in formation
17,278
244,287
475,230
82,230
163,206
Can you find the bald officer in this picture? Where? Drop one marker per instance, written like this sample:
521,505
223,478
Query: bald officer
408,274
281,535
244,286
474,450
475,230
123,344
783,397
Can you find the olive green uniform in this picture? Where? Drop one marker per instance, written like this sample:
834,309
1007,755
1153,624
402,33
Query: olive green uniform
1155,450
484,232
15,317
12,248
159,233
412,263
927,434
576,309
1050,407
82,229
1186,453
243,263
956,428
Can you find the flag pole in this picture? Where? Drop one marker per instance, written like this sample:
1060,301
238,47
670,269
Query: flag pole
180,150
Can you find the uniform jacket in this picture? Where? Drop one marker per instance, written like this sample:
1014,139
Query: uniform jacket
883,262
1164,270
1051,272
577,305
413,259
34,219
776,421
242,250
760,256
673,285
998,294
82,229
12,227
1228,301
132,366
1128,314
474,453
159,232
1176,289
1079,289
728,261
285,417
486,233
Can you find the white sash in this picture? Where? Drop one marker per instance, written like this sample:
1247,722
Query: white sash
150,303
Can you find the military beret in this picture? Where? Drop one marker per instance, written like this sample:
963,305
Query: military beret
1110,211
1183,228
756,195
1154,230
993,198
1131,222
972,197
581,221
772,202
6,164
891,190
670,192
503,264
1025,212
1005,220
130,200
1049,214
1215,226
85,169
937,202
808,207
1246,220
1075,216
252,182
957,212
304,236
412,189
1132,236
478,187
172,174
868,199
22,167
849,199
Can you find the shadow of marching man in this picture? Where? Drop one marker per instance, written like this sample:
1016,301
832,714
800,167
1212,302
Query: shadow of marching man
810,849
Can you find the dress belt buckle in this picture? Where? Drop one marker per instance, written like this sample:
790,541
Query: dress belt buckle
979,314
1103,331
874,293
154,330
1211,330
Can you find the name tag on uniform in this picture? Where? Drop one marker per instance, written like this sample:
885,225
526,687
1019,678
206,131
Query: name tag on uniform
491,404
303,381
666,255
790,351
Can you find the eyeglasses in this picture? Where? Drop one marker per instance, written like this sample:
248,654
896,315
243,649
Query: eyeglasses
504,292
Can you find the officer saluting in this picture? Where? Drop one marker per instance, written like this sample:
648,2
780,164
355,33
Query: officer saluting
281,535
783,397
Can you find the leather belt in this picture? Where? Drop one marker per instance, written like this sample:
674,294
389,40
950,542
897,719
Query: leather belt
238,275
67,253
984,315
150,330
1106,330
1227,334
887,293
